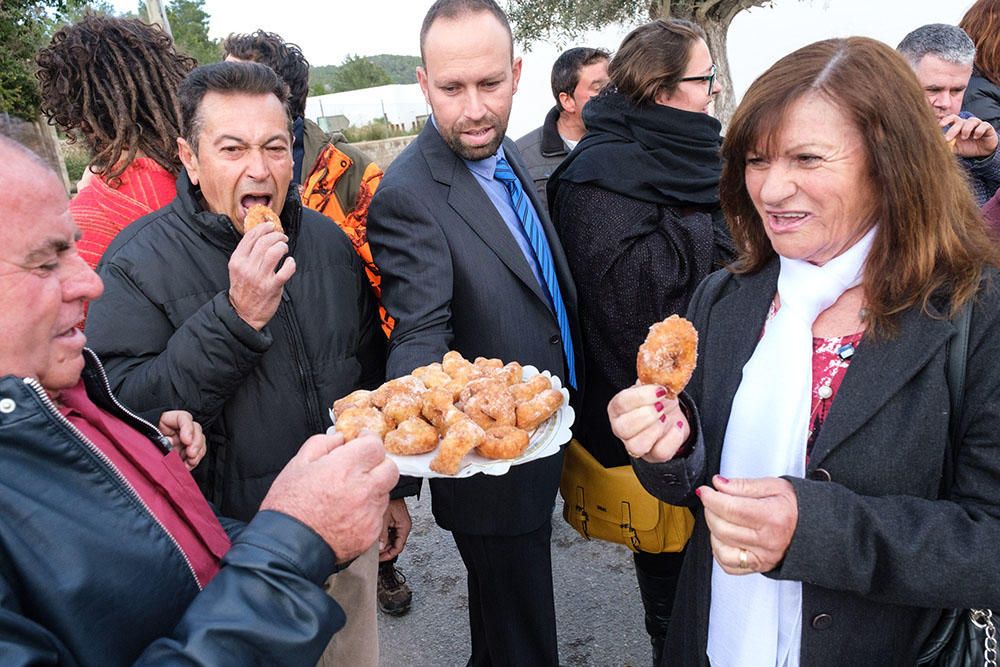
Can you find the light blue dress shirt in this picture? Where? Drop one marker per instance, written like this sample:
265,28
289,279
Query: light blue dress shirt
483,171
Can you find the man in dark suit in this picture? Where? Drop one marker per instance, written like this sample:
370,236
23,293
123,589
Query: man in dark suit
470,262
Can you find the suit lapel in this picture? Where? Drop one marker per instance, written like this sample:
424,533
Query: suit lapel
737,320
467,199
879,370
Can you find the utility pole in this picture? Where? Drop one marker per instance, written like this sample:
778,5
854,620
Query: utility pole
156,13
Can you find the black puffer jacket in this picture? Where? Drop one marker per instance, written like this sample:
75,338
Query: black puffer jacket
170,339
89,577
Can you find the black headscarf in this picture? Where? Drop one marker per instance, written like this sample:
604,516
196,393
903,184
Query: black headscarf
651,152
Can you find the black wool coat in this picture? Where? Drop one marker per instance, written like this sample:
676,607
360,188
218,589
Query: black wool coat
876,549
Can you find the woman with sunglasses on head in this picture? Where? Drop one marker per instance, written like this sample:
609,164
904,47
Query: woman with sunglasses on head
636,205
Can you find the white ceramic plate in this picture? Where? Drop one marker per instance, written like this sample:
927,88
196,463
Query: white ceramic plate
545,441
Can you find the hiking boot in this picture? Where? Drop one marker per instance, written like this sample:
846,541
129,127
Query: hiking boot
394,595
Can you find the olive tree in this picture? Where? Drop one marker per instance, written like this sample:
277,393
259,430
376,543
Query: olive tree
562,20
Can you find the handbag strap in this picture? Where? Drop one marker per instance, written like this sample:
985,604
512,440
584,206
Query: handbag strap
958,354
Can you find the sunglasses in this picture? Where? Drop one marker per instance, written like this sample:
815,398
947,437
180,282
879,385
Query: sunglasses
710,78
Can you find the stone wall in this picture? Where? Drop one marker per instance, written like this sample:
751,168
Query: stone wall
384,151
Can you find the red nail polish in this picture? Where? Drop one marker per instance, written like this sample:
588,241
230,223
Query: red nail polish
680,424
658,406
660,393
663,418
697,492
723,479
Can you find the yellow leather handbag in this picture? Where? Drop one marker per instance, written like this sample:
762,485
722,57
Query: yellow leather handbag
610,504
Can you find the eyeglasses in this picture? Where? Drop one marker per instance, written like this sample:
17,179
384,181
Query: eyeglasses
710,78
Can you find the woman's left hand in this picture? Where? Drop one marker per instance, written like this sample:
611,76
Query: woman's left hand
185,434
751,520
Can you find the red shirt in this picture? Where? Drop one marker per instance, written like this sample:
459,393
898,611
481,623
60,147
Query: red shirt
162,483
831,357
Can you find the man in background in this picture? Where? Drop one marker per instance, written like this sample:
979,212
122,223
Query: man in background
577,75
941,56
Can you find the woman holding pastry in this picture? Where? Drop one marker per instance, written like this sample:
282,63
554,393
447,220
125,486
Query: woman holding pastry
637,208
836,517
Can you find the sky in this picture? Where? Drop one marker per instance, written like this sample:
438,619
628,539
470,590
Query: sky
329,31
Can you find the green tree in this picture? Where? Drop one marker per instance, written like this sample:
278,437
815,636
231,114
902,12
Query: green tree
24,28
189,25
401,69
564,20
358,72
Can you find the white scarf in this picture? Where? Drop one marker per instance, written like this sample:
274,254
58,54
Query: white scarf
755,620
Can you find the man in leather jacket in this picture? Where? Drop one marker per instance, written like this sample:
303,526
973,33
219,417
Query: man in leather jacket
108,553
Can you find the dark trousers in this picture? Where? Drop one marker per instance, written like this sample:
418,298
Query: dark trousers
512,616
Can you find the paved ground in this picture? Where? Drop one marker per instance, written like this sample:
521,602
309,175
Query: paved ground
598,610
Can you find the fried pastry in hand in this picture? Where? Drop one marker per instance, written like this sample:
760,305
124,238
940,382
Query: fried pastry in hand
259,214
669,355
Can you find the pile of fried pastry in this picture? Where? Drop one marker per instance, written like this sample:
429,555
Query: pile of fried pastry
455,406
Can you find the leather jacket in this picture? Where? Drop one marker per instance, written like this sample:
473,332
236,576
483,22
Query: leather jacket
88,575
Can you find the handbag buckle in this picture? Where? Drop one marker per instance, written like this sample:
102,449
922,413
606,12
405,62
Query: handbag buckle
581,512
628,532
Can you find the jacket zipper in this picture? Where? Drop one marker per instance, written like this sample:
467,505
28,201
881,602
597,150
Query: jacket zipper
298,347
162,439
47,402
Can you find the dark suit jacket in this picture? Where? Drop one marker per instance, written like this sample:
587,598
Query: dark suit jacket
877,552
454,278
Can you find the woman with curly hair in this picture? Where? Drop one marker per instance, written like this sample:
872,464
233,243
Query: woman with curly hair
982,97
113,82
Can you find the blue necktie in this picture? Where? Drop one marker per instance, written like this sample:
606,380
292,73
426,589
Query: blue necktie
536,236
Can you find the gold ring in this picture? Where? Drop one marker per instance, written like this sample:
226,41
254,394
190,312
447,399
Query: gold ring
744,559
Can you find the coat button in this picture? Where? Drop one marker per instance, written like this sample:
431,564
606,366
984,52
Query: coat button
555,340
7,405
820,475
822,621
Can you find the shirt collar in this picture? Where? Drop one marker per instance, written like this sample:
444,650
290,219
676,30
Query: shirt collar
487,166
483,168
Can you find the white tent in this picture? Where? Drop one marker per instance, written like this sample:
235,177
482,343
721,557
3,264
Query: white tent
399,104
